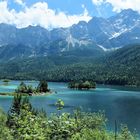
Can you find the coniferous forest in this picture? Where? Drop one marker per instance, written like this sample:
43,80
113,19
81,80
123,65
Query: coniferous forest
119,67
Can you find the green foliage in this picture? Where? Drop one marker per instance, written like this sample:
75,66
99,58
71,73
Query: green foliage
82,85
22,118
125,134
89,134
5,133
23,88
59,104
29,90
16,107
28,124
67,125
43,87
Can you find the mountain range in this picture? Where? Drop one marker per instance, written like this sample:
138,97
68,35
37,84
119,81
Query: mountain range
97,36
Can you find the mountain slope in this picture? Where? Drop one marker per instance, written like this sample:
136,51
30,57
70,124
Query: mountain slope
120,67
128,55
97,35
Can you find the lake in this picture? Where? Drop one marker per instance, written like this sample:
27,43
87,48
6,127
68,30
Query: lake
119,103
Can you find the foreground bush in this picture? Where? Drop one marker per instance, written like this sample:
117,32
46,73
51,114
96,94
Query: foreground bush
5,133
25,123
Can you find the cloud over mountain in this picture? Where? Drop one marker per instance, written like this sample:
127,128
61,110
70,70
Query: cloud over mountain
119,5
20,2
39,14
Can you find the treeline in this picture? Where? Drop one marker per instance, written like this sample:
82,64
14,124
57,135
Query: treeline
23,122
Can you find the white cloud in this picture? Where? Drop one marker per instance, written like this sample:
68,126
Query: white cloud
5,15
125,4
119,5
97,2
20,2
39,14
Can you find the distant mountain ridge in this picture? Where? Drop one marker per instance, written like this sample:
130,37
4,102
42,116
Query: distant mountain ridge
97,36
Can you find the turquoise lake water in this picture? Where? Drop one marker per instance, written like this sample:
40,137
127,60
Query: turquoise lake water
119,103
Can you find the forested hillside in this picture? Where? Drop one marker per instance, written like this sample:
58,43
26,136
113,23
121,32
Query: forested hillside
119,67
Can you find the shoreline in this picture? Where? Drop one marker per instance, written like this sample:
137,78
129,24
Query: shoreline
11,94
49,81
25,94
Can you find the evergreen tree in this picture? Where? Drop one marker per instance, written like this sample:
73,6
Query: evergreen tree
43,86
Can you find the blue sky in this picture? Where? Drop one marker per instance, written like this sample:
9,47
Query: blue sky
69,6
59,13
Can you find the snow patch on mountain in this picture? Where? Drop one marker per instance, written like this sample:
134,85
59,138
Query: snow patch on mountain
110,49
117,34
104,49
71,41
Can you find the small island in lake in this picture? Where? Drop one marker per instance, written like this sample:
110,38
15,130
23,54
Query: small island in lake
82,85
28,90
5,80
41,89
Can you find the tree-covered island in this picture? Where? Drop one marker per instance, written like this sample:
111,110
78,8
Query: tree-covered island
82,85
28,90
41,89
